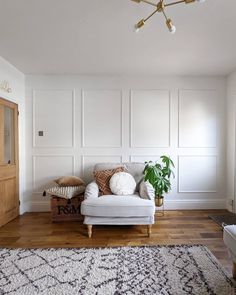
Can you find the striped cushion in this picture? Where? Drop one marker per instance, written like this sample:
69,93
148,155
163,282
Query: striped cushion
103,179
66,192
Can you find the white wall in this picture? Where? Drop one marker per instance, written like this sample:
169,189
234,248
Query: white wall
17,83
231,140
99,119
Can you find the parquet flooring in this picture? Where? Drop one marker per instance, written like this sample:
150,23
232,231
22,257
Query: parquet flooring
35,230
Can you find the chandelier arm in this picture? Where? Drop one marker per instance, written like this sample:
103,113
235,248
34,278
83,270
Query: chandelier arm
149,2
174,3
154,12
164,14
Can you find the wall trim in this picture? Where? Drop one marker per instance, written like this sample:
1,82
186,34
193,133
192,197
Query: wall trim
96,156
83,145
196,204
33,206
197,191
194,147
135,155
23,207
131,118
44,156
33,120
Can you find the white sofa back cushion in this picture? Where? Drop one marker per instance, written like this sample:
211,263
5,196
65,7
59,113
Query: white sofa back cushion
146,191
133,168
123,184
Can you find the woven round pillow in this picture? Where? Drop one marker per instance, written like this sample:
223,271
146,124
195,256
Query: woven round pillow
122,184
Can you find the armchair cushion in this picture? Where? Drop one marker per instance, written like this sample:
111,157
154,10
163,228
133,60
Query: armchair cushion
66,192
91,191
135,169
146,191
69,181
103,178
118,206
122,183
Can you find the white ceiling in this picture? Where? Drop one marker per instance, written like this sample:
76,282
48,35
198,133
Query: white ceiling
97,37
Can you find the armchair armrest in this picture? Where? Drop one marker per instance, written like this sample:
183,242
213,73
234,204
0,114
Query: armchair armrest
91,191
146,191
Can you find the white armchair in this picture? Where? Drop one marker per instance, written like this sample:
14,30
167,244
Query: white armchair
135,209
230,242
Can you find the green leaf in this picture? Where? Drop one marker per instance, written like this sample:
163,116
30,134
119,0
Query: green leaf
159,175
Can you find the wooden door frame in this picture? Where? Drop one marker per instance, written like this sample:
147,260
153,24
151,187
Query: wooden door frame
14,106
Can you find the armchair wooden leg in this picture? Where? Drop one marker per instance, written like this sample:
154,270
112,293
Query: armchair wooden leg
89,227
149,230
234,270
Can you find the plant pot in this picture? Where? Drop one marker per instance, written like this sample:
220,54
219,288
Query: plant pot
159,202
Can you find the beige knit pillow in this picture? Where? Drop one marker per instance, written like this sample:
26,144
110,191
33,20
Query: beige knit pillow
69,181
103,179
66,192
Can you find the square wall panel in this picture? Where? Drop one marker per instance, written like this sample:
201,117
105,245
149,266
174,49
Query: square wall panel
143,159
53,118
197,174
102,118
49,167
88,163
150,118
197,118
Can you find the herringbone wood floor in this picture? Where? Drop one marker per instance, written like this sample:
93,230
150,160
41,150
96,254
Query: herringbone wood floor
33,230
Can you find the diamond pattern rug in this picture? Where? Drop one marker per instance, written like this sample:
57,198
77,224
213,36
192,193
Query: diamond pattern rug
163,270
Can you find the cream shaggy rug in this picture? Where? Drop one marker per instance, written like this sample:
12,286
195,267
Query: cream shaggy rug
163,270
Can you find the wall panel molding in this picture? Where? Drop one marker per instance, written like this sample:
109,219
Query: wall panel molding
132,157
83,133
34,157
144,118
106,157
34,145
212,105
151,108
213,171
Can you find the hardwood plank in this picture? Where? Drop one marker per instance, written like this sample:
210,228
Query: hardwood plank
34,230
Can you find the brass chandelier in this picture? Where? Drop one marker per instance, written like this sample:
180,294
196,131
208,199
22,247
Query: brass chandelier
160,7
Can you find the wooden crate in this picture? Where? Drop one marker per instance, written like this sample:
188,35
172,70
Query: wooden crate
66,210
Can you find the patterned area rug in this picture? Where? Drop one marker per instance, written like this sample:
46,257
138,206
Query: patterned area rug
165,270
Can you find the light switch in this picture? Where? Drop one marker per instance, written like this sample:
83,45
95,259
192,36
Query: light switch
40,133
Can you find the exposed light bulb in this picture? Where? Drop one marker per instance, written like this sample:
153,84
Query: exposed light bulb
173,29
139,25
170,26
136,29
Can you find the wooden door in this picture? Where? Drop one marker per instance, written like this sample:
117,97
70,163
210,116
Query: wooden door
9,164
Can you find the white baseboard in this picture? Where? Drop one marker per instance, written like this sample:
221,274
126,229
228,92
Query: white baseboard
169,205
23,208
230,206
37,207
195,204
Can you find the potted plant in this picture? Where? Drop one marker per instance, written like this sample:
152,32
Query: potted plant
158,175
